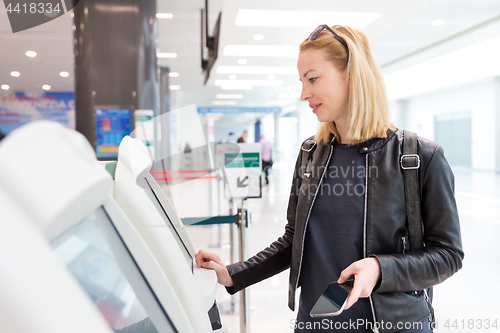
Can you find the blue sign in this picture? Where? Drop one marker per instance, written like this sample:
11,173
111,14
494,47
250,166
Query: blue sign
19,108
236,110
111,126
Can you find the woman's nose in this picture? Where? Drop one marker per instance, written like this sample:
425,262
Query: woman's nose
305,94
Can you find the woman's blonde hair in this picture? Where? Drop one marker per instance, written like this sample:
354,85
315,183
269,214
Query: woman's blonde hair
368,112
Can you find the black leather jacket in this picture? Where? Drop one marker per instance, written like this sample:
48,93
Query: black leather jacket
399,295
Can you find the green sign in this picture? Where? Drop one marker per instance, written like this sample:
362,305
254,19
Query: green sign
242,160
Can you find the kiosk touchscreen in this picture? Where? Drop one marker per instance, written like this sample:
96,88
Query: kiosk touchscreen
93,251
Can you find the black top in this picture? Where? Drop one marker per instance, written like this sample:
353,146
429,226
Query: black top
334,237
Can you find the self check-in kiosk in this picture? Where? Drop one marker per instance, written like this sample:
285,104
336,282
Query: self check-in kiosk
147,206
73,259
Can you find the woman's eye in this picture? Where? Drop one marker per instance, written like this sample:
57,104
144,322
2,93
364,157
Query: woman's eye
312,79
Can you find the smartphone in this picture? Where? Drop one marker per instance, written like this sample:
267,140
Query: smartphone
333,300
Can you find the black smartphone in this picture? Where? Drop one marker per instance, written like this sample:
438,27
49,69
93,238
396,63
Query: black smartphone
332,301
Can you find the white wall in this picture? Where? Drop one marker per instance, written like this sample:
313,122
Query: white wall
477,97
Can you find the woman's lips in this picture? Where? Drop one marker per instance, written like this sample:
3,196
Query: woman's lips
315,107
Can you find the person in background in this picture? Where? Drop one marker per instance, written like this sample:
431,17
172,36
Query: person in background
243,138
266,150
353,222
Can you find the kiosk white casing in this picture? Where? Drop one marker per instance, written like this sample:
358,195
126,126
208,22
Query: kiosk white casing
147,206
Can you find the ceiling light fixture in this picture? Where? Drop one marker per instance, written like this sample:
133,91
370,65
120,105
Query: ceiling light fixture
271,77
174,87
64,74
46,87
258,37
232,77
242,61
438,22
257,70
228,96
164,15
173,74
262,50
15,74
223,102
301,18
236,87
31,54
166,55
5,87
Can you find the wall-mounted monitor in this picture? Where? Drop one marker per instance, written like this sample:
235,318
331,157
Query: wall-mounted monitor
111,126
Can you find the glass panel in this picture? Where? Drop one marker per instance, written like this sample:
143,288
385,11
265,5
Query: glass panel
156,202
94,253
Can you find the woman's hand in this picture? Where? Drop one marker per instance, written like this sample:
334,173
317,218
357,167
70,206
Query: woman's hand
366,275
212,261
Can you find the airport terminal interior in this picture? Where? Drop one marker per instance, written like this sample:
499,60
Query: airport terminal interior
135,133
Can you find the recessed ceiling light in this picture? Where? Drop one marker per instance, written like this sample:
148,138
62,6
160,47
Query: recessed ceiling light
166,55
228,96
232,77
236,87
173,74
242,61
5,87
31,54
15,74
72,15
46,87
258,37
271,77
262,50
437,22
64,74
248,82
257,70
301,18
164,15
223,102
174,87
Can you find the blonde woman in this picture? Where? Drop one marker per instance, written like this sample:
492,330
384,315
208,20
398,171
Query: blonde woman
347,210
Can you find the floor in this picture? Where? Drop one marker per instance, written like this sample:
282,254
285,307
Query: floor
467,302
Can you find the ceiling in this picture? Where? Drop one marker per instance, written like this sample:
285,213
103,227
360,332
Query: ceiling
401,33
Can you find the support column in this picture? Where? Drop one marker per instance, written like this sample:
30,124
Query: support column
115,59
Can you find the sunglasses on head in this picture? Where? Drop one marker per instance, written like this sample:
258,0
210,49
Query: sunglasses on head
319,29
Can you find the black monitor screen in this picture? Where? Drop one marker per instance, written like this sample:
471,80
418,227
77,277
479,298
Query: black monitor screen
97,257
